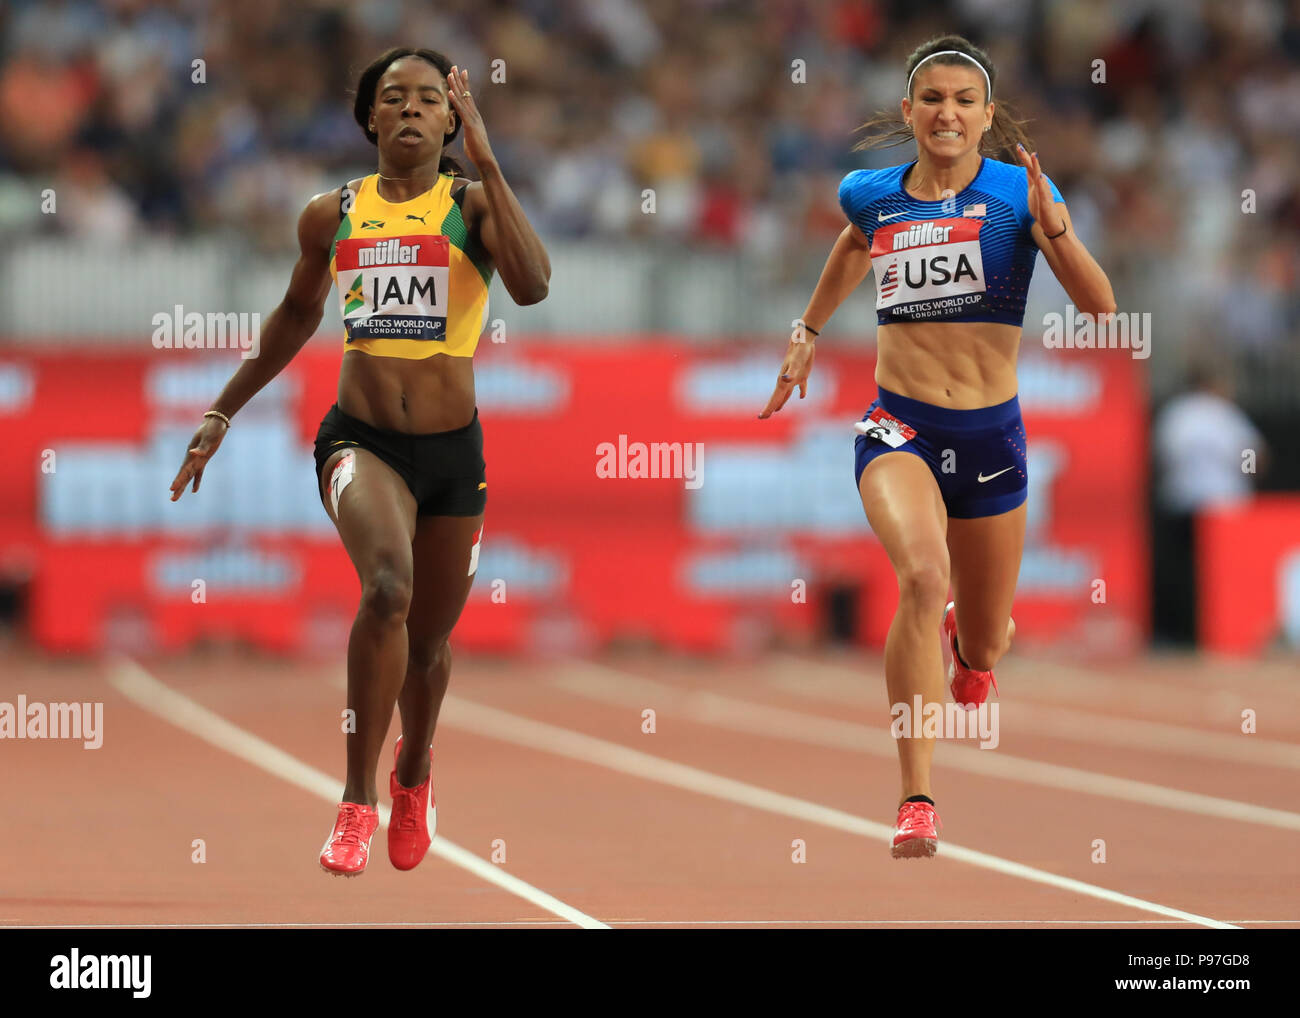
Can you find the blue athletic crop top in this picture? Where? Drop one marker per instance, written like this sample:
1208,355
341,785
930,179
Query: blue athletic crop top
967,259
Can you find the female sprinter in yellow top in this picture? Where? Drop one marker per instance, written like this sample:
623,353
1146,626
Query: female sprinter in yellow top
940,454
399,458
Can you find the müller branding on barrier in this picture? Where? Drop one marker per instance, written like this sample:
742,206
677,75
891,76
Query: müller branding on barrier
575,485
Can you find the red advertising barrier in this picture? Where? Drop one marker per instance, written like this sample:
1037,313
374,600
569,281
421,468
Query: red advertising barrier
1248,561
633,495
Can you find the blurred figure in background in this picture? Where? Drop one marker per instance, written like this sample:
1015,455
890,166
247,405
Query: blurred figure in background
1207,452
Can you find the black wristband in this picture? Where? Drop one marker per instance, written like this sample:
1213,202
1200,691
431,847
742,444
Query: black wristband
1053,236
809,328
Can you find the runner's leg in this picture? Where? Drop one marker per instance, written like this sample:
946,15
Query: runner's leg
906,511
985,555
376,521
441,554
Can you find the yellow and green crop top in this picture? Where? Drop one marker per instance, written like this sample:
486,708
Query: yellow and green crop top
411,281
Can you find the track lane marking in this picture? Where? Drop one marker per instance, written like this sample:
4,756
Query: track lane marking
843,685
782,723
151,694
522,731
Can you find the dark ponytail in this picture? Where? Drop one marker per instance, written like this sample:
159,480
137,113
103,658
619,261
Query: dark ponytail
1005,132
369,81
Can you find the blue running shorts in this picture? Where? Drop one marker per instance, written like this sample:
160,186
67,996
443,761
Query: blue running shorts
976,456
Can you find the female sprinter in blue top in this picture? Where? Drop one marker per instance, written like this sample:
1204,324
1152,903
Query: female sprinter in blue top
940,455
399,458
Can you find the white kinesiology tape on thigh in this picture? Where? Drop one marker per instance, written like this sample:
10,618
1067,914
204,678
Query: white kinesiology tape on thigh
473,551
344,470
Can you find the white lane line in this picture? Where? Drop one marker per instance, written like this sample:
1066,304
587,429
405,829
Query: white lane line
1211,686
843,685
147,692
627,689
1061,684
498,724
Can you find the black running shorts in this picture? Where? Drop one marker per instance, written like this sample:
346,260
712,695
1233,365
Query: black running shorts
444,470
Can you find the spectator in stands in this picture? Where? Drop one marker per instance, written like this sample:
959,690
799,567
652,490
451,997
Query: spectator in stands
1207,453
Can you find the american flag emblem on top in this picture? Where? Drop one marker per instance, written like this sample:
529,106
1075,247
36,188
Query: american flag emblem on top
889,281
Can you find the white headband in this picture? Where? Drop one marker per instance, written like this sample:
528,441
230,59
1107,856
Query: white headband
988,87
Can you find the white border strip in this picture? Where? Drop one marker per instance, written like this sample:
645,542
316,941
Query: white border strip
548,923
147,692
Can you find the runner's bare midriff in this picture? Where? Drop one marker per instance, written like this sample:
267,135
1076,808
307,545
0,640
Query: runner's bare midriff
962,366
413,396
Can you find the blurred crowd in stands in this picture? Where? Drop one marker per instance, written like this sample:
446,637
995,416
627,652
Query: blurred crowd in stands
1172,127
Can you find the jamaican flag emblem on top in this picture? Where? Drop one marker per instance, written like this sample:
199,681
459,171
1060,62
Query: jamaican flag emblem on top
354,298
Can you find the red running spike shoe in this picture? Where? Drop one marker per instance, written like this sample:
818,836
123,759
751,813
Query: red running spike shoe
348,848
414,820
970,688
915,837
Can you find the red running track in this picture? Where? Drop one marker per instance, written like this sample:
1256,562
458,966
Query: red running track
751,765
